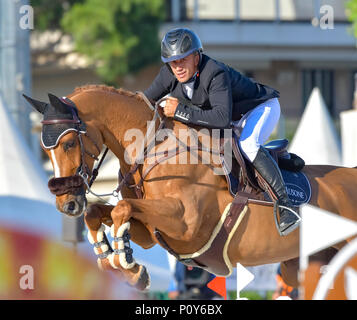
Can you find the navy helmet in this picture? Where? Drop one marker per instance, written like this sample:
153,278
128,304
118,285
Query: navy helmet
179,43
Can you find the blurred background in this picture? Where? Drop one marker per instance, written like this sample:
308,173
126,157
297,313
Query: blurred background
306,49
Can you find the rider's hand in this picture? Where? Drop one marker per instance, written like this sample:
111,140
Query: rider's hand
170,106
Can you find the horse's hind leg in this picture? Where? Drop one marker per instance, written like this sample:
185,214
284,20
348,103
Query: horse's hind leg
289,272
290,268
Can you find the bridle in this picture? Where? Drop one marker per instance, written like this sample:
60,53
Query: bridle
71,184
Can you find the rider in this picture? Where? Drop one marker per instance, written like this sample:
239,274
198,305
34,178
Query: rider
209,93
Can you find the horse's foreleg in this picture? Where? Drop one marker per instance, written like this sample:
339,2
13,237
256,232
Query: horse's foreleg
139,233
94,217
165,214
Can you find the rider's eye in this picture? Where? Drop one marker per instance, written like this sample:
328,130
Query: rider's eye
68,144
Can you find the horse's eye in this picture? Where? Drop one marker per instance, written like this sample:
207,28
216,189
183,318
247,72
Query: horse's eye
68,144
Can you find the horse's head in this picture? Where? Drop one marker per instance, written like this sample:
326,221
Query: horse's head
72,147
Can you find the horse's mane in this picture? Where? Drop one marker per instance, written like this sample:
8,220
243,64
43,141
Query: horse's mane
101,87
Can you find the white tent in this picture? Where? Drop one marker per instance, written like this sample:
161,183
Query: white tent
349,137
316,139
25,201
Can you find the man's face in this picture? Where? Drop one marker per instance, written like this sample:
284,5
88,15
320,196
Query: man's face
185,68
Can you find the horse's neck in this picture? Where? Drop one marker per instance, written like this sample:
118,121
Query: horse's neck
119,119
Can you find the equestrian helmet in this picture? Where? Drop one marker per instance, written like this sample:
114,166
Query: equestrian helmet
179,43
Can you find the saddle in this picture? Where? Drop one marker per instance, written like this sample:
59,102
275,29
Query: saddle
249,180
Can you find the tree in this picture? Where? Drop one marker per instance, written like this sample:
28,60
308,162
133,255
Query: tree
119,37
48,13
351,11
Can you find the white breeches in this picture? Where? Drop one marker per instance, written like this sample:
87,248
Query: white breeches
257,125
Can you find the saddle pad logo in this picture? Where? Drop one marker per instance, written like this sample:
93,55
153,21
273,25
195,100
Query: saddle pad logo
296,194
297,186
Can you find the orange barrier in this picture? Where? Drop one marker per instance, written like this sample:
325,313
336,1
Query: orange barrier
32,267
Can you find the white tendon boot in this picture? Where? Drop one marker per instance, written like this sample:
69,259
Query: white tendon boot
121,247
101,249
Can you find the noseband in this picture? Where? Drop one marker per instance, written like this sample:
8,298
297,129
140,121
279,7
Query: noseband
74,184
70,185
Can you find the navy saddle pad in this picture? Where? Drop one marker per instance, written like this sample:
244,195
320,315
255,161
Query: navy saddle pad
297,186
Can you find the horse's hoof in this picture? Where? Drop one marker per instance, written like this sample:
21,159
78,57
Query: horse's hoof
143,283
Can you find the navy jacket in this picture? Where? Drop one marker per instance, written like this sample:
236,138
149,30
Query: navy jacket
220,95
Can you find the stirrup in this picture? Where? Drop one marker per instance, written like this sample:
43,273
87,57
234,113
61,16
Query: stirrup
292,227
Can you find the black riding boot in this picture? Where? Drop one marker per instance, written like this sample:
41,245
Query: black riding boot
270,171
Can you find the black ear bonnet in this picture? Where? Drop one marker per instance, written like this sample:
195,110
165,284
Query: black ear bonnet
60,116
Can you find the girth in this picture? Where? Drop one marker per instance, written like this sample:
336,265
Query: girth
213,256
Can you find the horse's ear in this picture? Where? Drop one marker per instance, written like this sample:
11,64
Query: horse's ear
38,105
57,103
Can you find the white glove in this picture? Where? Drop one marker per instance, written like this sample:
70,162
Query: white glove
162,104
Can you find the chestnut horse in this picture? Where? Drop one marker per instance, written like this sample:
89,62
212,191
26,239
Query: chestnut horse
184,201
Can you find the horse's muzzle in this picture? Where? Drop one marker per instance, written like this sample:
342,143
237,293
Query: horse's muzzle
74,207
73,187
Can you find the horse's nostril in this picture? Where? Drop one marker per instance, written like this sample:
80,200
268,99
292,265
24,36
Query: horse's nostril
71,206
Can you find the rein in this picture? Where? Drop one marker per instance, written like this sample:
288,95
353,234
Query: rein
124,179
